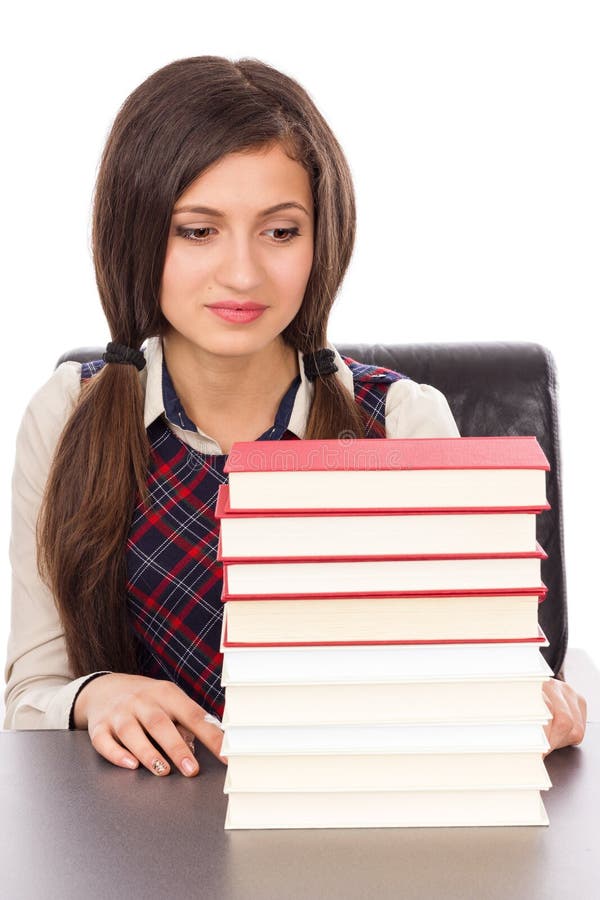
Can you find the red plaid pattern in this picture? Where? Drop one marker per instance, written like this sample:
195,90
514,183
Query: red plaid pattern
174,581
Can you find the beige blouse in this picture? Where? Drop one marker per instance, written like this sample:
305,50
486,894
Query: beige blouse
40,688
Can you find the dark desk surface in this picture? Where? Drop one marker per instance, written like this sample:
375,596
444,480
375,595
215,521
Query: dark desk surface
73,825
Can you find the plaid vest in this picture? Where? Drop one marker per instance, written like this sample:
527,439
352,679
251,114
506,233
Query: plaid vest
174,580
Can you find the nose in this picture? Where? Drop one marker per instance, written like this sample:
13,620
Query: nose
239,267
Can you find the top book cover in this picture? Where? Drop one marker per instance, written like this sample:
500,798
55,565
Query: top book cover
464,473
502,452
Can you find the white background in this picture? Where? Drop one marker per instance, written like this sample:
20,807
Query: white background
472,133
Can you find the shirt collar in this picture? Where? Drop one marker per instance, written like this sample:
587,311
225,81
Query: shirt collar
174,410
154,405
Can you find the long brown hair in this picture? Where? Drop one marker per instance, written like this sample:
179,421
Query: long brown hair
180,120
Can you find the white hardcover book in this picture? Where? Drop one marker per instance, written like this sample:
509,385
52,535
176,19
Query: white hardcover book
396,703
385,809
364,664
370,738
399,771
391,772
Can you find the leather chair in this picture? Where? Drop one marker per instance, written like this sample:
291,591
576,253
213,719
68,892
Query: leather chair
492,389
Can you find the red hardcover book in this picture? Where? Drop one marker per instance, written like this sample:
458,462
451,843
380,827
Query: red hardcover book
502,452
423,618
537,553
370,532
500,473
540,639
394,575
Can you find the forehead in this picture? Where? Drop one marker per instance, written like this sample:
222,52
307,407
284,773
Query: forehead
252,179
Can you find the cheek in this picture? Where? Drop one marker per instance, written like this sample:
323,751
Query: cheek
294,273
180,272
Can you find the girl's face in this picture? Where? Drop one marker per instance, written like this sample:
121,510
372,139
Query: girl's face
226,245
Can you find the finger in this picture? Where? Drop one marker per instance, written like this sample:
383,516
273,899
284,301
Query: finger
187,736
189,714
562,722
105,744
192,715
130,733
547,694
161,728
582,707
574,724
579,709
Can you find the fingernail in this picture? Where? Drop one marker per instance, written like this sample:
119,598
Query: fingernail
128,761
159,766
189,766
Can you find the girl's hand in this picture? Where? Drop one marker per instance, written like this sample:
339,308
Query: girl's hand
569,714
116,708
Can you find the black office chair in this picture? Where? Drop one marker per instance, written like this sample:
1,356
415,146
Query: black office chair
492,389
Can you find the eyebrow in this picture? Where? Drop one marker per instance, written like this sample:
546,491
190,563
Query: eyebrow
208,211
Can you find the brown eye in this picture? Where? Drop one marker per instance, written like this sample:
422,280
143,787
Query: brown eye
291,232
188,232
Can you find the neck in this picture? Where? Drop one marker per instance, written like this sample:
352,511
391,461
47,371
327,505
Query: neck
240,386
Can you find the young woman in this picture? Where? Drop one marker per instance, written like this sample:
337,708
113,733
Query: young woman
223,224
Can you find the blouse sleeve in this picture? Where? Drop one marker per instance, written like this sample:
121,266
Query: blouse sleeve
40,688
417,411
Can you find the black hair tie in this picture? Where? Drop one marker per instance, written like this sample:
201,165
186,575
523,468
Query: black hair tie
120,353
319,362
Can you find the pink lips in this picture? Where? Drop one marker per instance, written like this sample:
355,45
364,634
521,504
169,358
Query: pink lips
237,311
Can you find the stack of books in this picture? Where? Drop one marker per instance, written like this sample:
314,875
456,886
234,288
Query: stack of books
380,634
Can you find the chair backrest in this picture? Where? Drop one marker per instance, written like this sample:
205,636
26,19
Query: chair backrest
492,389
